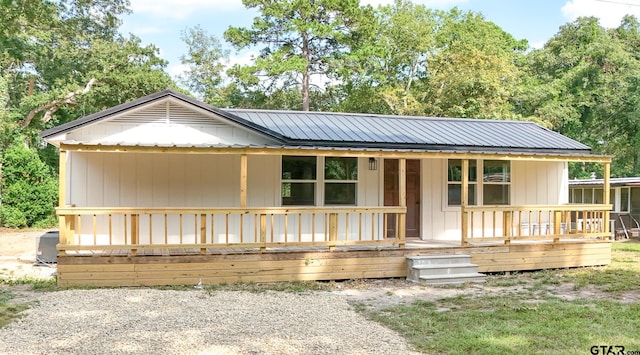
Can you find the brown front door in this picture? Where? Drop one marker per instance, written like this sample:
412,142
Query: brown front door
392,195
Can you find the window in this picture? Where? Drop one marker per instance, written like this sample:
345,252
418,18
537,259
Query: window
575,196
493,189
340,181
454,182
624,199
496,182
300,183
298,180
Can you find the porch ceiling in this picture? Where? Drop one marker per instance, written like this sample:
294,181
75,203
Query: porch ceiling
336,151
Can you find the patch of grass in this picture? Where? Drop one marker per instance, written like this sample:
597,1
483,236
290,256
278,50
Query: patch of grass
36,284
499,325
622,275
9,311
290,286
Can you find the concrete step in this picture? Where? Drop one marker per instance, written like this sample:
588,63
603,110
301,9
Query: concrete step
439,259
446,269
451,279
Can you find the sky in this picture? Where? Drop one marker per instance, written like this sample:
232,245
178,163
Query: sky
161,22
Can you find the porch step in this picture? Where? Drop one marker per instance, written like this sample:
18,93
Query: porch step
442,269
452,279
439,259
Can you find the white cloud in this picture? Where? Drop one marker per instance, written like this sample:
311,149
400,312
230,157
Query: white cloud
428,3
146,30
180,9
609,12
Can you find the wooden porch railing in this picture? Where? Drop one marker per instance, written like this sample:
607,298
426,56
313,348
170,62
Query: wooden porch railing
136,229
507,223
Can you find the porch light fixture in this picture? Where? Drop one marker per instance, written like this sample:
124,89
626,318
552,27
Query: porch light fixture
373,164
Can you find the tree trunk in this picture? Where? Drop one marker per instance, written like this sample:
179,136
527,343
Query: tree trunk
305,73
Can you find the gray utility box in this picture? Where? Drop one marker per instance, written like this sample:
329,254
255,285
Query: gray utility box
46,252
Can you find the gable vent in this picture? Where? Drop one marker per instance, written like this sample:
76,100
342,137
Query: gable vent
168,113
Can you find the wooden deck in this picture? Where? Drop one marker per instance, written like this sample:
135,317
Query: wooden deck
189,266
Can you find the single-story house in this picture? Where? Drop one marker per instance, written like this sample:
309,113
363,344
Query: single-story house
624,199
169,190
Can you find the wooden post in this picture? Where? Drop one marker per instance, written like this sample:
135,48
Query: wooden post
507,226
243,180
69,230
606,196
333,230
134,232
402,184
203,232
557,225
263,232
464,199
62,199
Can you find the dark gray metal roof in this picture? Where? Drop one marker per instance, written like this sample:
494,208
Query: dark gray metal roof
406,131
625,181
298,128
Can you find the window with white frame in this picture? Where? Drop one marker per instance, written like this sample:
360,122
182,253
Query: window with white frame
587,195
624,199
337,183
493,189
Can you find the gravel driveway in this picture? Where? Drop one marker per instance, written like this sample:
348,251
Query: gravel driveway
152,321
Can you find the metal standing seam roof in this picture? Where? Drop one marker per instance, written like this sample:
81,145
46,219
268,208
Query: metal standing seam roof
625,181
326,127
350,130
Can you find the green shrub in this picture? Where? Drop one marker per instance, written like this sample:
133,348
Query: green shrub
12,217
28,188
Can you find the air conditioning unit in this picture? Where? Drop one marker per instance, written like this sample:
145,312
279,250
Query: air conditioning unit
46,252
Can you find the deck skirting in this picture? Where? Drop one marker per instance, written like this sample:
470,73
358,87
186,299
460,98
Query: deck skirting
151,270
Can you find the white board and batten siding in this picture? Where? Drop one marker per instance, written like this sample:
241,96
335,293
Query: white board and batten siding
532,183
98,179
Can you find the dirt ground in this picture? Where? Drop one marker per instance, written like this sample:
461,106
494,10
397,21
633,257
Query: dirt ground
17,260
18,255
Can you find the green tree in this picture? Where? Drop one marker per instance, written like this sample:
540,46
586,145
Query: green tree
418,61
385,72
586,87
300,38
205,60
60,60
473,72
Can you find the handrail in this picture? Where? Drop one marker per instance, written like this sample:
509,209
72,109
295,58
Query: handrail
133,228
534,222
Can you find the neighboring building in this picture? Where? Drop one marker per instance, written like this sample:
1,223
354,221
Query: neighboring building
272,195
625,199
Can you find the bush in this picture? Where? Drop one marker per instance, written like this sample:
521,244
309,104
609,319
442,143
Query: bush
28,188
12,217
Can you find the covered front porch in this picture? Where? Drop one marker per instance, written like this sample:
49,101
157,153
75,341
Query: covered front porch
156,245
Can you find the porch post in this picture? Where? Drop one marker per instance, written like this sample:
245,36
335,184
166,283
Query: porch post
464,199
243,180
62,198
402,186
606,196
